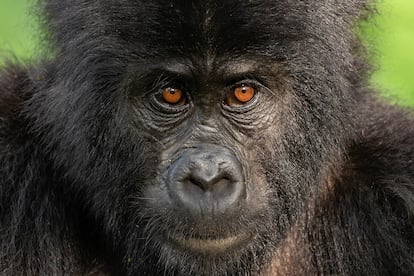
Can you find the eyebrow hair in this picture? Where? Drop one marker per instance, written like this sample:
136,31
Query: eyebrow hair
224,70
236,68
177,68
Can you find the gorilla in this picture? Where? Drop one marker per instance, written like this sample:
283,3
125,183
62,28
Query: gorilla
235,137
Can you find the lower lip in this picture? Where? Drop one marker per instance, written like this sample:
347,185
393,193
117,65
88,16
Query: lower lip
209,246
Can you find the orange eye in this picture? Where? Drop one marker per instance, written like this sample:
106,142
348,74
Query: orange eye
244,93
240,95
173,95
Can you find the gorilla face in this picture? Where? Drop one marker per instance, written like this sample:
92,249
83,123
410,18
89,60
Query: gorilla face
209,206
196,133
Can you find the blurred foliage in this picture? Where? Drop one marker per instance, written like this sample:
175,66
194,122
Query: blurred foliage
389,35
18,27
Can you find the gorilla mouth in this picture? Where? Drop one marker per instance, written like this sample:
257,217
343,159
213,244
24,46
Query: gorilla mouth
209,246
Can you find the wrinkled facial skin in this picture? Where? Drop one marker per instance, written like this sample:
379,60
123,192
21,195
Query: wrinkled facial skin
200,183
214,228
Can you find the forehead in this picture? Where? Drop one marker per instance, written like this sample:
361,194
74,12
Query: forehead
205,27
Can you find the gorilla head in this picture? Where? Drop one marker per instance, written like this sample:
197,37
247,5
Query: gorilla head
196,133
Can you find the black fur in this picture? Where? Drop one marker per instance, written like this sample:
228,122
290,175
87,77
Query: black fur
334,166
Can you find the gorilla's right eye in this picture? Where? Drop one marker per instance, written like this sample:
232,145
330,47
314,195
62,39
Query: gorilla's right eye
172,96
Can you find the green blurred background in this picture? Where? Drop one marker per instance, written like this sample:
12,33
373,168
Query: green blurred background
390,37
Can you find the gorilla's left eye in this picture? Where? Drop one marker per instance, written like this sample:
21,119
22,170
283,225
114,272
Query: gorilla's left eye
173,96
240,95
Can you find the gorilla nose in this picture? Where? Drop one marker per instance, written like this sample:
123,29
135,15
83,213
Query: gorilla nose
206,180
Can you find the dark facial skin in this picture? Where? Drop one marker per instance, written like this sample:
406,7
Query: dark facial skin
209,198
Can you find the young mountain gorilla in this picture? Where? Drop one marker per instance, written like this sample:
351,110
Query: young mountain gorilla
203,138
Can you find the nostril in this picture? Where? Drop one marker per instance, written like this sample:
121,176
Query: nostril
216,184
196,182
